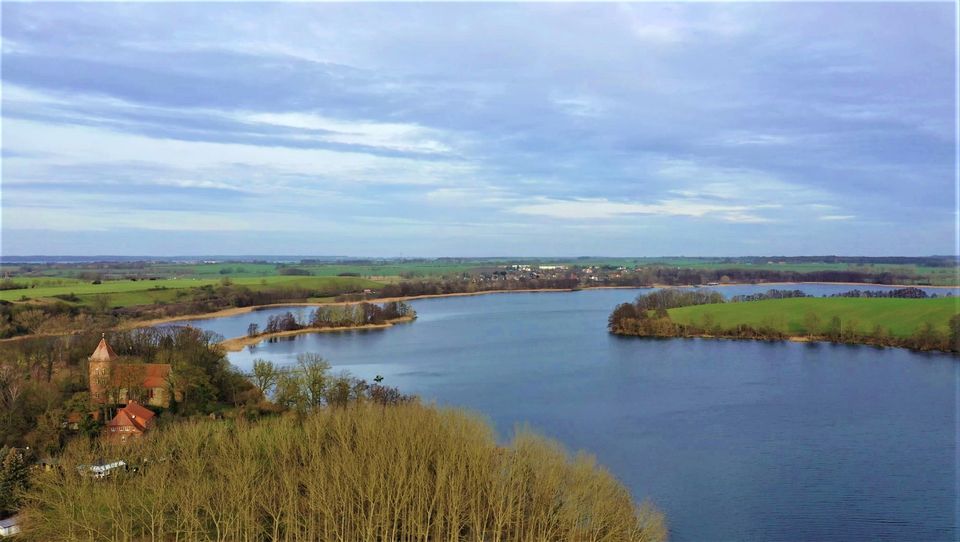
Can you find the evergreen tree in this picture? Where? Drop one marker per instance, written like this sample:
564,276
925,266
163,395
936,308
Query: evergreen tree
13,478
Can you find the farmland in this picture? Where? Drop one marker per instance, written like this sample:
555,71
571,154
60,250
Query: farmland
901,316
125,293
147,283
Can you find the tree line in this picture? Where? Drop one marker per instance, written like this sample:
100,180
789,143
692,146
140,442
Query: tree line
633,320
334,316
678,276
410,288
769,294
308,385
899,293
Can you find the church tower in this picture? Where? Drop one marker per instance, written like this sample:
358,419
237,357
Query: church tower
101,365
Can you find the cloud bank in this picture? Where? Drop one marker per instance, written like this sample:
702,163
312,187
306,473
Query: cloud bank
437,129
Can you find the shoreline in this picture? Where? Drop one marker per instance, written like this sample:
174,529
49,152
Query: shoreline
829,283
808,339
235,311
236,344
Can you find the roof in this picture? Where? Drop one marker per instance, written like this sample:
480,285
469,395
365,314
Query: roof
103,352
138,410
153,375
9,522
122,419
133,415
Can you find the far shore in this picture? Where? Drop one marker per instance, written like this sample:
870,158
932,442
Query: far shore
829,283
234,311
237,344
789,338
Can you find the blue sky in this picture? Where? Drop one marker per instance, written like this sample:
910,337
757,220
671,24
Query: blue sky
478,129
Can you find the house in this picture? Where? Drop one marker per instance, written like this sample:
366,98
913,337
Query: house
113,382
131,421
9,526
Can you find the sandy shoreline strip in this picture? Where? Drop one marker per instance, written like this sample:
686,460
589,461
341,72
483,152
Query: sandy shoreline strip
237,344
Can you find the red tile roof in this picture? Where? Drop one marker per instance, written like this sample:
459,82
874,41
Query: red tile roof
138,410
152,375
133,415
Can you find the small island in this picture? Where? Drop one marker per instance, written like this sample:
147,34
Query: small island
325,318
905,318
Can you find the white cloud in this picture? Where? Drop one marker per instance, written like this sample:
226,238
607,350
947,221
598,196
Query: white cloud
402,137
602,208
233,164
107,219
467,196
393,136
837,217
752,186
579,105
673,24
754,139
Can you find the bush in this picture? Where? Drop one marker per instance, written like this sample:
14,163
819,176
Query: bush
293,271
8,284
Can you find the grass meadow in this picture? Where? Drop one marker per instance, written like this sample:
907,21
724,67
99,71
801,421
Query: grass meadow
901,316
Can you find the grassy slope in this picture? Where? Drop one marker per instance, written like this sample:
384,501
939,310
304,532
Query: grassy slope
127,293
901,316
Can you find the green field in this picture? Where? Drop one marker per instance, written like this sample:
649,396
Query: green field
167,282
900,316
125,293
426,268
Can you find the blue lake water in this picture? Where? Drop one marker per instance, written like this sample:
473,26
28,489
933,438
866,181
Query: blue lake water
732,440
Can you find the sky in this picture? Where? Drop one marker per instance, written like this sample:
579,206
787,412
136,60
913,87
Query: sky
478,129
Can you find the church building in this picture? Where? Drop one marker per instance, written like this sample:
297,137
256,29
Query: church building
118,383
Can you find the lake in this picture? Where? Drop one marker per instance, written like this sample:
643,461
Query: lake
732,440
